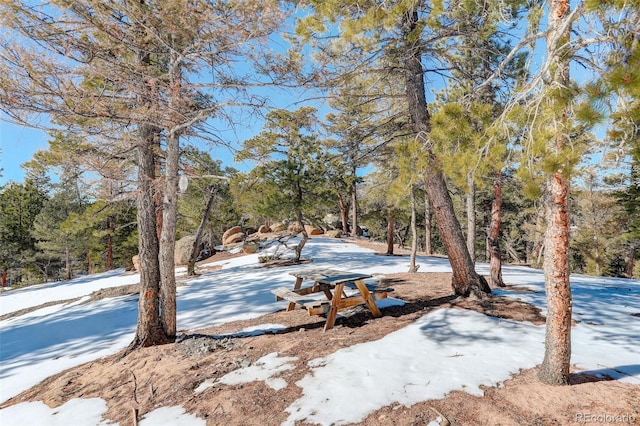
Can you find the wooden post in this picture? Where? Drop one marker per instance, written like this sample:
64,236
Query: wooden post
335,305
296,286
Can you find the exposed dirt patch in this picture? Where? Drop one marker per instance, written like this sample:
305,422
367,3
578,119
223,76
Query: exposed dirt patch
169,375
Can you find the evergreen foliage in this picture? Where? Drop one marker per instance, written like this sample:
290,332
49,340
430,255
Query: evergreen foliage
290,179
20,204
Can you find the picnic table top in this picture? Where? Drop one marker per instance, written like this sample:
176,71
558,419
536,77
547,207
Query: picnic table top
329,276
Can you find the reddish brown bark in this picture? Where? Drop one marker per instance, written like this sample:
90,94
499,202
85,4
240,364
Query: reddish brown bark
557,356
427,226
149,331
343,214
495,256
390,232
556,363
466,280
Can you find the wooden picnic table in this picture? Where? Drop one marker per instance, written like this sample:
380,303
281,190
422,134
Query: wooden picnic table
332,283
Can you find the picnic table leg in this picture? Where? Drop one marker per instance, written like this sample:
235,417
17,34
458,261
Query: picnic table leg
296,286
368,298
333,310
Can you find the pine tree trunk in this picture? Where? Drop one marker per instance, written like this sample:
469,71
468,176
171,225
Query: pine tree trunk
343,213
354,208
427,226
305,237
299,218
149,331
414,234
67,263
557,356
390,232
109,262
191,266
471,218
168,238
466,280
629,261
495,256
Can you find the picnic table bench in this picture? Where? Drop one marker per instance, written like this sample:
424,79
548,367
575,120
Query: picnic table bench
332,283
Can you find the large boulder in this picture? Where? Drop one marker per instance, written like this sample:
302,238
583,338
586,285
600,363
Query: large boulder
312,230
334,233
231,231
264,229
250,247
136,263
294,228
278,227
183,249
234,238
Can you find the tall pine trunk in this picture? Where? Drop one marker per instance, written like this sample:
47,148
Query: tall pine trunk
471,217
414,234
354,207
149,331
191,267
170,206
109,262
343,213
557,356
466,280
427,226
300,221
629,261
168,239
67,263
390,232
495,256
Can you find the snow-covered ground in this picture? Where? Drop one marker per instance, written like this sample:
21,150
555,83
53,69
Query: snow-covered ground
438,353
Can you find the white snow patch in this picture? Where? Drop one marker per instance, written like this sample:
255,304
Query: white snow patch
262,370
73,412
445,350
171,416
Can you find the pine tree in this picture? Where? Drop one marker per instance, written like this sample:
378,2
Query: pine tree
290,175
140,75
392,39
362,124
207,187
55,238
19,207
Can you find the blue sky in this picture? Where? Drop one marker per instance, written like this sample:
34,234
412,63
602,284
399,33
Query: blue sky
18,144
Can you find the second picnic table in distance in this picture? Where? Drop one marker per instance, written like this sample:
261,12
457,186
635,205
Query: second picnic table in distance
332,283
